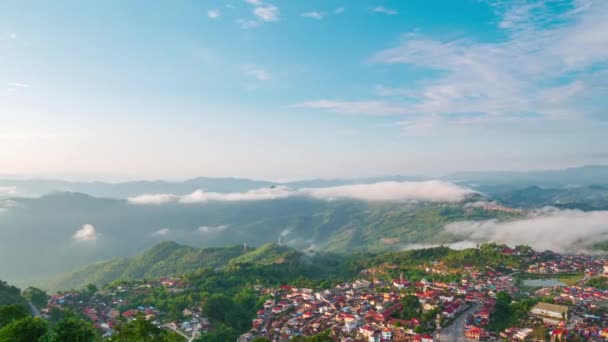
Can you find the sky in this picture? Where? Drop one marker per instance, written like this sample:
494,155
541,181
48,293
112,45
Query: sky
299,89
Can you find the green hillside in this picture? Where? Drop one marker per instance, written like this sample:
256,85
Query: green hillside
164,259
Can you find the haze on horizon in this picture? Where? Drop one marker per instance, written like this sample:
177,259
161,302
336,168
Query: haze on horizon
272,89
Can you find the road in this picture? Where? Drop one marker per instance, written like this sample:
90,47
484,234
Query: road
455,331
177,331
34,309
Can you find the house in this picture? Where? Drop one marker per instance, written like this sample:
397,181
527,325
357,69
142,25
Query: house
522,334
376,337
400,283
387,334
550,313
367,331
350,325
476,333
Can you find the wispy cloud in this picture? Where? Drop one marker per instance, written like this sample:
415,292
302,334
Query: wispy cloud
212,229
214,14
161,232
155,199
17,85
263,12
314,15
384,10
258,73
549,228
354,107
247,24
8,190
200,196
543,70
266,12
87,232
339,10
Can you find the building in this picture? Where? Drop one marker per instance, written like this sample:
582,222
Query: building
550,313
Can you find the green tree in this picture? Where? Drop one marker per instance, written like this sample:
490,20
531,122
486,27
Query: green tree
411,307
141,330
12,313
28,329
73,329
37,296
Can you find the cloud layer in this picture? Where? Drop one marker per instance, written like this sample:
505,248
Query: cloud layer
550,228
436,191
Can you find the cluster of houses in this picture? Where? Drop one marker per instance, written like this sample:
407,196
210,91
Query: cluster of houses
564,264
369,310
107,308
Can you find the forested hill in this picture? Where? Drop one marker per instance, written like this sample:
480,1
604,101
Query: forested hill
165,259
170,258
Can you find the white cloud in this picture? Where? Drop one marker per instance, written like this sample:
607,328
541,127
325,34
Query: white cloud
17,85
248,24
200,196
86,233
258,73
339,10
212,229
161,232
549,228
384,10
254,2
436,191
266,12
214,13
8,190
153,199
353,107
314,15
544,70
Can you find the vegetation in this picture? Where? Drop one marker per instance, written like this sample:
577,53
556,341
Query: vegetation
598,282
10,294
141,330
508,313
35,295
164,259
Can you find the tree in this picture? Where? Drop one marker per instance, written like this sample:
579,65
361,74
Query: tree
12,313
35,295
28,329
411,307
73,329
141,330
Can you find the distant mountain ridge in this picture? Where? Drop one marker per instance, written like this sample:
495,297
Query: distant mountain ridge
579,176
576,176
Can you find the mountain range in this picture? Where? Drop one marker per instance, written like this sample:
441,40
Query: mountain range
59,231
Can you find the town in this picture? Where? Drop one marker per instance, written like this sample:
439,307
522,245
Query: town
551,298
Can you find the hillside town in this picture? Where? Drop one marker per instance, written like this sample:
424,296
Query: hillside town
376,309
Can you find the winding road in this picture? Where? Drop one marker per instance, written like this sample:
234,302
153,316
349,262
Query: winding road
455,331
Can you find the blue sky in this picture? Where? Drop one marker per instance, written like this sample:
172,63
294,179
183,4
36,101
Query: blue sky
298,89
